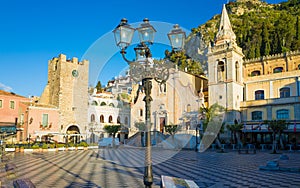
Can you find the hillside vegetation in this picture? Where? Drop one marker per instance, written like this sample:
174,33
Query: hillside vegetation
261,29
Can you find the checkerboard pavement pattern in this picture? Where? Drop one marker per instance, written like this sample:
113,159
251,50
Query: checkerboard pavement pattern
122,168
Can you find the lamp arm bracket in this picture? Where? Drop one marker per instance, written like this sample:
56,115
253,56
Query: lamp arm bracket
123,52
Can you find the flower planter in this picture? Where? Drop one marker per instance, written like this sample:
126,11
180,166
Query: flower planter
10,149
52,149
92,147
61,149
28,150
37,150
71,148
80,148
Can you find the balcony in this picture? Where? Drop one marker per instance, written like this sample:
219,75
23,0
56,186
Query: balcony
274,101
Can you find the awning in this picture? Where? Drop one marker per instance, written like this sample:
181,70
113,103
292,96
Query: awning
8,128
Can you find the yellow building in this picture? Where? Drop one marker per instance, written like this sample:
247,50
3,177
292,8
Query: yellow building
273,82
272,91
254,90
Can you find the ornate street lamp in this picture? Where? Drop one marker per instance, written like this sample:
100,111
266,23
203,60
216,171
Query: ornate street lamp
144,69
177,38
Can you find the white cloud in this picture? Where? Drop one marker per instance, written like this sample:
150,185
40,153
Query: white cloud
5,87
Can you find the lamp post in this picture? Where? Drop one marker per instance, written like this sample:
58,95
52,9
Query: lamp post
144,69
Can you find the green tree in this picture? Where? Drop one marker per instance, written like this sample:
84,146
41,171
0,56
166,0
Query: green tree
99,87
261,29
184,62
112,130
265,47
277,127
172,129
141,126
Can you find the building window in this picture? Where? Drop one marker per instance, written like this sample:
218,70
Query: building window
188,108
45,120
110,119
237,73
141,112
284,92
221,71
259,94
111,105
255,73
282,114
129,90
277,70
22,119
92,118
12,104
299,67
126,120
118,119
1,103
163,87
94,103
256,115
103,104
101,119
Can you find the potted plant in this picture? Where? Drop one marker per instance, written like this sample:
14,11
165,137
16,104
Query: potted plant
35,147
10,147
71,146
52,147
45,147
61,147
82,145
27,148
21,149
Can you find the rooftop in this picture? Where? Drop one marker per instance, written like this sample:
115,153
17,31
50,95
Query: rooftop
2,92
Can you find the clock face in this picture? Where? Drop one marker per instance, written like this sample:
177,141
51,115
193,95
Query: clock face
75,73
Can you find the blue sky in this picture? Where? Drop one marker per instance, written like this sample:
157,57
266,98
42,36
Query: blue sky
34,31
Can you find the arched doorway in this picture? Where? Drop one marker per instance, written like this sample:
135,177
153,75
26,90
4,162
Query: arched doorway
73,134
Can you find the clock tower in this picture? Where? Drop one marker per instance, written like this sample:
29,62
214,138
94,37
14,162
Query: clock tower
225,62
67,89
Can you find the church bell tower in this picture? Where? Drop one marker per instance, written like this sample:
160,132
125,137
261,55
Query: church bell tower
225,62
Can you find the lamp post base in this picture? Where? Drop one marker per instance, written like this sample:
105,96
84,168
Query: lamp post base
148,177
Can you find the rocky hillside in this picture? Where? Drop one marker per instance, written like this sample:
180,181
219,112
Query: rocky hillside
261,29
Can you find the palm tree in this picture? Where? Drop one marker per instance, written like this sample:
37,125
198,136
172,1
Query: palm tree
277,126
235,129
211,113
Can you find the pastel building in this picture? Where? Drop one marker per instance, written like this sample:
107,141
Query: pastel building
11,116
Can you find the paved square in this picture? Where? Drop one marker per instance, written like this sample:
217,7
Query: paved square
123,168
